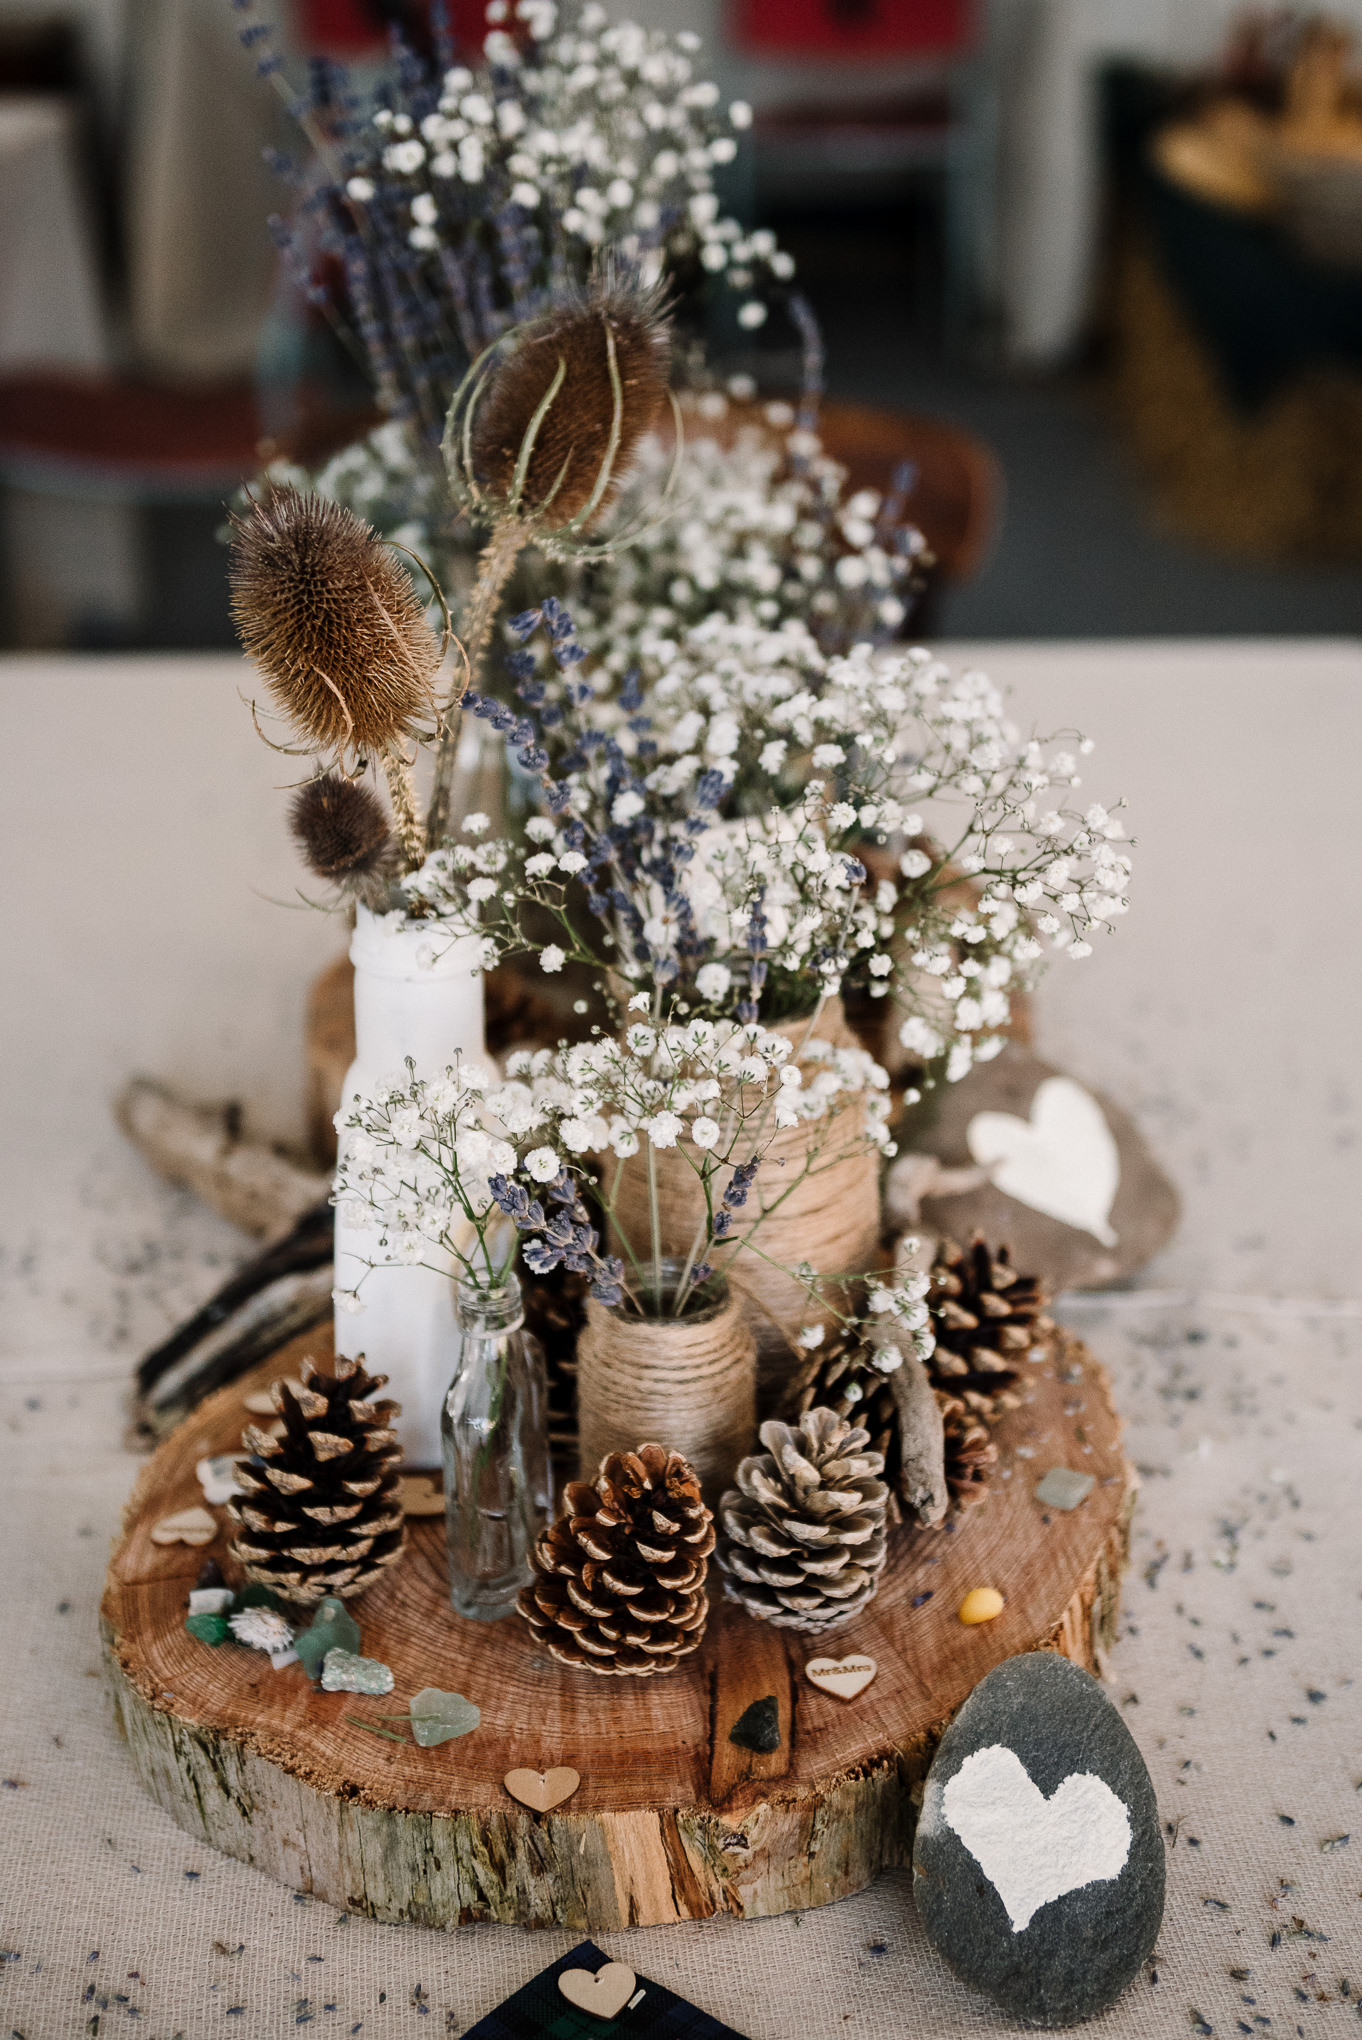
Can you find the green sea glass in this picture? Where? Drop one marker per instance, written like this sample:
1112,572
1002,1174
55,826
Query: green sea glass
256,1596
333,1627
344,1672
1062,1488
208,1628
438,1717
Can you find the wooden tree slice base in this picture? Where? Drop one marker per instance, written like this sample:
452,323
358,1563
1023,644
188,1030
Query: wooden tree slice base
672,1820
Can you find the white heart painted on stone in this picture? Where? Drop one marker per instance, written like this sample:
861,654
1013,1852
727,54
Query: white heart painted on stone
604,1993
1063,1160
1030,1848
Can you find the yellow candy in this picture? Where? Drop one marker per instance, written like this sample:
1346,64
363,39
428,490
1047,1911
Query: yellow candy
981,1604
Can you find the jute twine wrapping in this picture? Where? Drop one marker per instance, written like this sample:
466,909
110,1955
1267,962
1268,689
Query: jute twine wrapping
688,1384
832,1219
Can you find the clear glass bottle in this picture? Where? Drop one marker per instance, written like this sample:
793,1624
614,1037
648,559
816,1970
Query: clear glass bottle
494,1433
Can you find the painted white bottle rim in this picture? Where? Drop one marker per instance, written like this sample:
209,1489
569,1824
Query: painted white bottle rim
391,946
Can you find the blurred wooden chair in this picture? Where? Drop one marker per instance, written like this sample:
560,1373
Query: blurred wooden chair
956,495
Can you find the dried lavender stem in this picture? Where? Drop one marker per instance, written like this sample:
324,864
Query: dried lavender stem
494,570
400,786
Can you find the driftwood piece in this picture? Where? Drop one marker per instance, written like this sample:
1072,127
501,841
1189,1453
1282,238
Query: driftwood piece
270,1299
671,1821
922,1441
200,1148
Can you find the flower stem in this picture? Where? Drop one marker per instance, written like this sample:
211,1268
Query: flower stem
410,833
494,570
655,1222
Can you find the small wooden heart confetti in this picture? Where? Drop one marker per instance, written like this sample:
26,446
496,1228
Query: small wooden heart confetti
542,1790
422,1496
846,1677
217,1476
191,1526
604,1994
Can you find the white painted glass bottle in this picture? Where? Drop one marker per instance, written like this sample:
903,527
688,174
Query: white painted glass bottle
415,995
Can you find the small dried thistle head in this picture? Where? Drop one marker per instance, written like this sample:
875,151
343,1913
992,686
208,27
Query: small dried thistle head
333,622
608,351
343,833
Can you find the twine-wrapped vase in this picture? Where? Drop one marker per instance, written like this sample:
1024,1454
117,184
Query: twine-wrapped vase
687,1382
830,1218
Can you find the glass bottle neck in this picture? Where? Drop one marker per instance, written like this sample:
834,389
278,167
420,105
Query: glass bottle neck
496,1309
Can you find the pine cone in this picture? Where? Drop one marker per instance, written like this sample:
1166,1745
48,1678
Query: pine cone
971,1454
986,1317
320,1507
619,1582
806,1525
838,1376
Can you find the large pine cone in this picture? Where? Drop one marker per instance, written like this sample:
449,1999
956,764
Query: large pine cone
986,1318
320,1508
806,1525
619,1582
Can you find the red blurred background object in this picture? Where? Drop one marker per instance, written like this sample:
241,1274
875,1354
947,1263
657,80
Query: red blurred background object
859,28
349,29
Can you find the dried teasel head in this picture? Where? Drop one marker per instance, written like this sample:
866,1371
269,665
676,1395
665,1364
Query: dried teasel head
550,417
333,622
344,835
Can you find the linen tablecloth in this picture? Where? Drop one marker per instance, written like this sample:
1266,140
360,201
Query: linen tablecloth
147,926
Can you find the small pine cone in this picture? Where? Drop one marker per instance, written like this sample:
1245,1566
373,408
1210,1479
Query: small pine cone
971,1454
986,1317
805,1526
619,1583
839,1377
320,1508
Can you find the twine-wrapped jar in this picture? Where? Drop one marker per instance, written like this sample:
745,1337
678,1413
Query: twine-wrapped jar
686,1382
831,1218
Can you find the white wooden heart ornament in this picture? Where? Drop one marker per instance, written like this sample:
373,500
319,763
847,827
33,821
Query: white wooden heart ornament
1030,1848
846,1677
191,1526
542,1790
604,1994
1062,1161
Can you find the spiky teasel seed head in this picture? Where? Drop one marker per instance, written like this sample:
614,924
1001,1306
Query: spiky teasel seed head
343,833
549,424
333,622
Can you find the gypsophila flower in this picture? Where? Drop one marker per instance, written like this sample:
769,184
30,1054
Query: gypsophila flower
465,197
552,958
